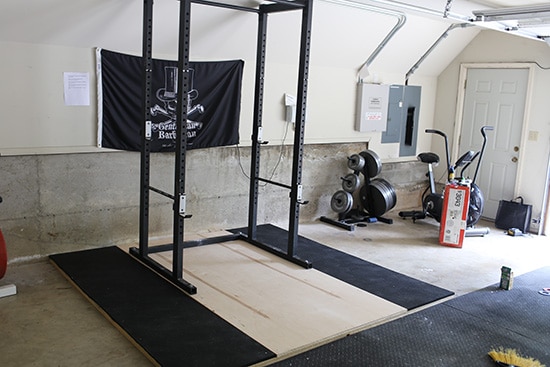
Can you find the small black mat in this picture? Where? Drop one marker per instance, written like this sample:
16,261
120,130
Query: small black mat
459,332
173,328
385,283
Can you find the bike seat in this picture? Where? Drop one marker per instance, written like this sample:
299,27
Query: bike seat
429,158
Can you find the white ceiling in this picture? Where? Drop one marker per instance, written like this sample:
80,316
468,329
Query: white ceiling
71,23
68,22
343,36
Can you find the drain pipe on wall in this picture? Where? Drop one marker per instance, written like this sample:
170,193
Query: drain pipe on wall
441,38
401,18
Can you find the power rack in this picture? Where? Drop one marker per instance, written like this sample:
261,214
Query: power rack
175,275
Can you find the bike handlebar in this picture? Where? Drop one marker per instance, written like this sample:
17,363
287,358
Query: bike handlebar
480,153
447,155
484,128
438,132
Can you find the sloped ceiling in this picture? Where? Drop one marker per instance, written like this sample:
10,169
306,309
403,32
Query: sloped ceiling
342,35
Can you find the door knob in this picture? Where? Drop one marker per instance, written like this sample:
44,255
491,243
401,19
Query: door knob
516,149
514,159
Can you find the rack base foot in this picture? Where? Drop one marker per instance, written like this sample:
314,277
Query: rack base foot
165,273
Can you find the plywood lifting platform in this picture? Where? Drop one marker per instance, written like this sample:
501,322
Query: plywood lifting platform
175,275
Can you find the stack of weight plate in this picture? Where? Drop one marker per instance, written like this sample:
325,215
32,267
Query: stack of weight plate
377,195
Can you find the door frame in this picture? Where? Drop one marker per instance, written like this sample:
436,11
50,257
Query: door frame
462,94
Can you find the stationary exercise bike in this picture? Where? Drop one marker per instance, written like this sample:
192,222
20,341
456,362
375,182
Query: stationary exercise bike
477,201
432,201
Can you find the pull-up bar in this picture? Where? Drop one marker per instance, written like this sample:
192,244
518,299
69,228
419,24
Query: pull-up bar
175,275
277,5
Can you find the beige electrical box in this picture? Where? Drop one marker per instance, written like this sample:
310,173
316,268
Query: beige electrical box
372,107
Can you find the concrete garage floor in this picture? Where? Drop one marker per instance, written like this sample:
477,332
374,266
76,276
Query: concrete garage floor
49,323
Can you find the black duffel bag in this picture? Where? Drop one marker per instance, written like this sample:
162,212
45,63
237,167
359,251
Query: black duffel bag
513,214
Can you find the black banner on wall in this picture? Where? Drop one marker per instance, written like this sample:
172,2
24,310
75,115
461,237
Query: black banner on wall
213,110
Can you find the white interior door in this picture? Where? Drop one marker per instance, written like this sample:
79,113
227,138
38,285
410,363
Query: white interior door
494,97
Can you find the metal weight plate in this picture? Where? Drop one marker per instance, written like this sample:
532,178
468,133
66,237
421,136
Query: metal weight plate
356,162
341,202
351,182
364,197
391,197
378,197
373,164
475,207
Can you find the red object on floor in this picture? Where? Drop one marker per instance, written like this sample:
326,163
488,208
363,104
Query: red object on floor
3,256
454,215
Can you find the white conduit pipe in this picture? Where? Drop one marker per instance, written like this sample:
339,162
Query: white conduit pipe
420,9
401,18
443,36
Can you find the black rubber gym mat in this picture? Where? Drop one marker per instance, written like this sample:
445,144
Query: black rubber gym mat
388,284
173,328
459,332
522,309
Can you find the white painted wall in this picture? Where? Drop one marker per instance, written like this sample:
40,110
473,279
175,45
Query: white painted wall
40,49
497,47
34,117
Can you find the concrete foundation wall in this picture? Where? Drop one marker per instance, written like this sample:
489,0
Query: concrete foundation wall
60,203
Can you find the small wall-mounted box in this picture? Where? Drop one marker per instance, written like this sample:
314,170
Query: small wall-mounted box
372,107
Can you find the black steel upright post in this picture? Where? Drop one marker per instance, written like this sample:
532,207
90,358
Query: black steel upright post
184,86
303,68
257,125
145,142
181,141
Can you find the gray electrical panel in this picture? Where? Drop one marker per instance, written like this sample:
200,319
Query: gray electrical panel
403,114
409,127
393,128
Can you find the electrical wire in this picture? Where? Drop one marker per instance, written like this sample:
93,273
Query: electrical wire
281,153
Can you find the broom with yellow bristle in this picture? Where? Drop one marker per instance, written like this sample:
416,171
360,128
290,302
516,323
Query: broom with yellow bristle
511,358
